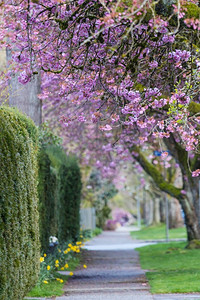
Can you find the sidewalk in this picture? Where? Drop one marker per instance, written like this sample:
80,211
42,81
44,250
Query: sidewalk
113,272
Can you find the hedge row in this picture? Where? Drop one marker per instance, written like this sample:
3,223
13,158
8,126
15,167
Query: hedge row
22,228
19,231
69,201
47,199
59,193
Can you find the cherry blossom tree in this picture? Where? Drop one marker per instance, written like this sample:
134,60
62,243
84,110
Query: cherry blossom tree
129,67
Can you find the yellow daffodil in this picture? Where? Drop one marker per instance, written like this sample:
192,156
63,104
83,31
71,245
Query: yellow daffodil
48,268
45,255
62,269
71,274
45,281
57,262
69,245
66,266
61,281
66,251
57,266
58,279
84,266
41,259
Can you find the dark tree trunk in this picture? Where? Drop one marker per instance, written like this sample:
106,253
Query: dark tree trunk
191,221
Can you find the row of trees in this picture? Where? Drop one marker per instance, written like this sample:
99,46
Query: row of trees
128,68
30,213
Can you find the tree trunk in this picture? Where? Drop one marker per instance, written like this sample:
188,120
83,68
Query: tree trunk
25,96
191,220
175,217
156,212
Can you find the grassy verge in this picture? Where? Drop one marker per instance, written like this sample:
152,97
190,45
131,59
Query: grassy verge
54,287
158,232
173,269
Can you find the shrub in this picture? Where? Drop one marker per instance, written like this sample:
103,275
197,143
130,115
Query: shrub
69,200
47,197
62,195
19,232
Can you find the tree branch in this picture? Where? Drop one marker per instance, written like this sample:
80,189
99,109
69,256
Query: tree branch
151,170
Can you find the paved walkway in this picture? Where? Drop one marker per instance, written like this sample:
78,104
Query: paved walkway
113,272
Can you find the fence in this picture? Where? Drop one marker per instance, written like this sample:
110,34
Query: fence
88,218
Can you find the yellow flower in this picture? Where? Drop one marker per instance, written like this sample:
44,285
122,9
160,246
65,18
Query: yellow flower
56,265
78,251
84,266
69,245
78,243
41,259
66,251
66,266
58,279
45,255
71,274
62,269
45,281
61,281
48,268
57,262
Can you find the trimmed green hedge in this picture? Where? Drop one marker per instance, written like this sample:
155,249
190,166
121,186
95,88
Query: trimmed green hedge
47,189
19,231
59,194
69,201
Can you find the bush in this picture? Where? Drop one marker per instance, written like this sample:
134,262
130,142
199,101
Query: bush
57,158
59,193
69,201
19,232
47,199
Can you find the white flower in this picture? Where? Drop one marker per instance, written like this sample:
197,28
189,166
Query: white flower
53,239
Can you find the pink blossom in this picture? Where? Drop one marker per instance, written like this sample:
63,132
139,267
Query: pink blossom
196,173
105,128
24,77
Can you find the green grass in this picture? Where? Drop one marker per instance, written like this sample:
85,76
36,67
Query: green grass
54,287
173,269
158,232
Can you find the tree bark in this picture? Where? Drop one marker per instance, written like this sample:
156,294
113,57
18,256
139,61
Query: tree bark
25,96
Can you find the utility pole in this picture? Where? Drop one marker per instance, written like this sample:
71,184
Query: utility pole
138,213
166,209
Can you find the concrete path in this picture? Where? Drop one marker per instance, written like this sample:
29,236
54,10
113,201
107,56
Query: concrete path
113,271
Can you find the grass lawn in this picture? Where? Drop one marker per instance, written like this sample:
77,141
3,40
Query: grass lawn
172,268
158,232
